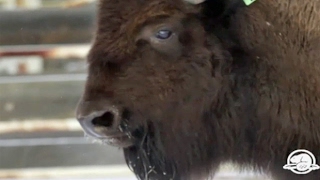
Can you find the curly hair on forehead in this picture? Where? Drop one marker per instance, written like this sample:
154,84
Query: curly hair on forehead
119,21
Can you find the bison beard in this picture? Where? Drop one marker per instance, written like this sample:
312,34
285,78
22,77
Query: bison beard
231,84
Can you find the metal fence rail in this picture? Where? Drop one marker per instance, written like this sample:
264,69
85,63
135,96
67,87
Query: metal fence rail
47,26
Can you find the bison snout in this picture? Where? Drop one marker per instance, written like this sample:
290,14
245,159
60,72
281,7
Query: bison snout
102,120
90,119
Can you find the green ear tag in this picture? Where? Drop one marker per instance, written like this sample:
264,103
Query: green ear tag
248,2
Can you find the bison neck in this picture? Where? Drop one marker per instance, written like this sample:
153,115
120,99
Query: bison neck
282,109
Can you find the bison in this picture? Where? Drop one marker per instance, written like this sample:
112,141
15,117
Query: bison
183,86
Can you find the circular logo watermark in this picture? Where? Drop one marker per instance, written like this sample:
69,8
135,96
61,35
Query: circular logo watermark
301,161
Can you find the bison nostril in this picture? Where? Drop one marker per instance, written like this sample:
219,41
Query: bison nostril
106,120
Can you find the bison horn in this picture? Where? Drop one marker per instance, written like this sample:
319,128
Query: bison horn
195,1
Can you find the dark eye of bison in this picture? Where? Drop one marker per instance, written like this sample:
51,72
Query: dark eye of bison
163,34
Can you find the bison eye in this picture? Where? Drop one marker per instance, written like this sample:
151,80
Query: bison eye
163,34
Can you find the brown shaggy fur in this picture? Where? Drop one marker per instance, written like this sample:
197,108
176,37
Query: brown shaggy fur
245,87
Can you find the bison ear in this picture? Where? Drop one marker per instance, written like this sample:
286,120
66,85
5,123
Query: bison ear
194,1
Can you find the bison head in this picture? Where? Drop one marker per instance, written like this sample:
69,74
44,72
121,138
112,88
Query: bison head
157,84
